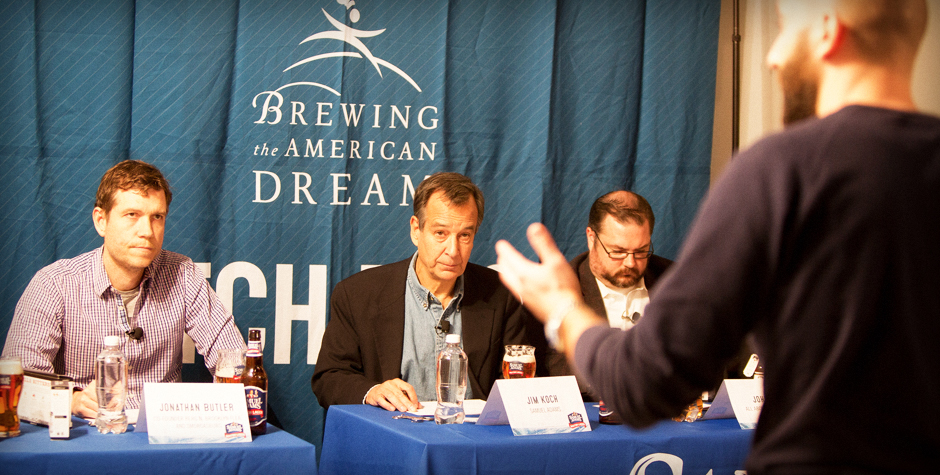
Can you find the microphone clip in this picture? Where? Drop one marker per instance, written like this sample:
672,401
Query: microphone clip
135,333
443,326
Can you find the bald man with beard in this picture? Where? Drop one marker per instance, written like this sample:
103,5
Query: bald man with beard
820,242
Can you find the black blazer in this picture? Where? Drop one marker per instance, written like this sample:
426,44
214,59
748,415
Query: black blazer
558,364
655,268
362,344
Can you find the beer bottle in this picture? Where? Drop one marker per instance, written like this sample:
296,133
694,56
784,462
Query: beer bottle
606,415
256,385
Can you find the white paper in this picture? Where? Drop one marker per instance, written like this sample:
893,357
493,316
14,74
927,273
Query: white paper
60,406
738,398
194,413
132,415
471,407
536,406
494,413
720,407
35,400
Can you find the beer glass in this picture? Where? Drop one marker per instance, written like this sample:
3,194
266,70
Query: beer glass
519,362
230,365
11,385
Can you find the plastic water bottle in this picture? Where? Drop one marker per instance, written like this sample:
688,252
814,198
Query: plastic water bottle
111,385
451,382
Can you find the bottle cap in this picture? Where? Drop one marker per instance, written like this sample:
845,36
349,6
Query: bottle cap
112,340
452,338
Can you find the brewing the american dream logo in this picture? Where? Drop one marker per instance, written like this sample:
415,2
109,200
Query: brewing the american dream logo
328,125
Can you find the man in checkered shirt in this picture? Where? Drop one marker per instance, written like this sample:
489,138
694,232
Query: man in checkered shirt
129,287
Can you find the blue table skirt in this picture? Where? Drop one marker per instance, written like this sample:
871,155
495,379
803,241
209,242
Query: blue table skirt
87,451
362,439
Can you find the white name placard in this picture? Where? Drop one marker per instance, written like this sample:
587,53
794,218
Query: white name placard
194,413
738,398
536,406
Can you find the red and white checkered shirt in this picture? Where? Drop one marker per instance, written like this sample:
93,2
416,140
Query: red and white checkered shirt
69,307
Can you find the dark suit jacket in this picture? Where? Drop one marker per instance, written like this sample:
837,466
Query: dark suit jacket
592,297
362,344
655,268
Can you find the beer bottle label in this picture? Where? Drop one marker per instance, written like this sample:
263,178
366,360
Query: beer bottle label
257,401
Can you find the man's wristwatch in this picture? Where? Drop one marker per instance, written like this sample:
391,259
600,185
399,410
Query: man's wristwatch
553,323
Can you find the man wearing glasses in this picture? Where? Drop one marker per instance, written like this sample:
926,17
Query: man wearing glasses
619,270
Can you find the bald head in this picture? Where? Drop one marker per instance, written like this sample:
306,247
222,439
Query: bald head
879,31
624,206
884,31
833,53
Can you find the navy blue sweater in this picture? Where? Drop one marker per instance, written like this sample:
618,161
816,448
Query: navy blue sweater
823,242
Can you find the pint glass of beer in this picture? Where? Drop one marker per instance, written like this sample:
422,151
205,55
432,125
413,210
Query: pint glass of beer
519,362
11,385
230,365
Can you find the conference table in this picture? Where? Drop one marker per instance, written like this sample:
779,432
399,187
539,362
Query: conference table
88,452
362,439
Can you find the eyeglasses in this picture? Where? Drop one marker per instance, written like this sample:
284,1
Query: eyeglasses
620,255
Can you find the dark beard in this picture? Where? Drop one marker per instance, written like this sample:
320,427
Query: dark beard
619,283
799,78
799,102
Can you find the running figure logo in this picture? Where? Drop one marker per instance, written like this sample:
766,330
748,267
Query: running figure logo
348,35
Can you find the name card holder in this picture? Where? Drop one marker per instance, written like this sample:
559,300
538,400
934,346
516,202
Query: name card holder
738,398
37,398
194,413
536,406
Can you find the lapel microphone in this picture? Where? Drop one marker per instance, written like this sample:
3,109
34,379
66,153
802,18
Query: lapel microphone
135,333
444,326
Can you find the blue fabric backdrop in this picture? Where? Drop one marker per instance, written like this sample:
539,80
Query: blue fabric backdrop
294,131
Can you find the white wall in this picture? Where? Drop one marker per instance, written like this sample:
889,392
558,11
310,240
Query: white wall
761,99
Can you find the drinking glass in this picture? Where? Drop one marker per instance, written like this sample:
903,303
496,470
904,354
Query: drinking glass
230,365
11,385
519,362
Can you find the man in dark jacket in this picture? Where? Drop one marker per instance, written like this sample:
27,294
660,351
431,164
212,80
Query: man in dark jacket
387,324
619,270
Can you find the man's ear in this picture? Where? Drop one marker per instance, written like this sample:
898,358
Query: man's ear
415,228
589,234
830,37
100,218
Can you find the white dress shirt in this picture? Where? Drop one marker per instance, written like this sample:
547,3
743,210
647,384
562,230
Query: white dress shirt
624,306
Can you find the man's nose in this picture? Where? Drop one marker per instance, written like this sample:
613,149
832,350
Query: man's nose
629,261
774,56
145,227
450,246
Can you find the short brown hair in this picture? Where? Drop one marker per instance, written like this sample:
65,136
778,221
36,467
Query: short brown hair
624,206
130,175
456,188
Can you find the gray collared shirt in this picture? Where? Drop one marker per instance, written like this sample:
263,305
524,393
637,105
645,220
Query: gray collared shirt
423,338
